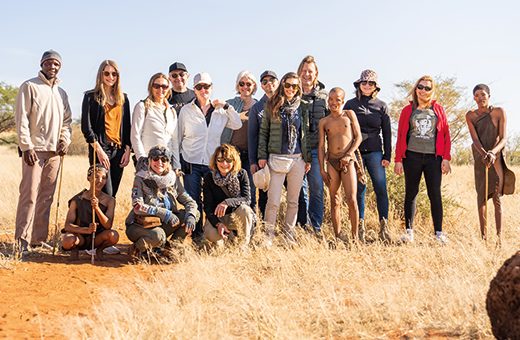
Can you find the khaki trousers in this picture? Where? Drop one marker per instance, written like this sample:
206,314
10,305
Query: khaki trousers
240,220
294,185
36,193
146,238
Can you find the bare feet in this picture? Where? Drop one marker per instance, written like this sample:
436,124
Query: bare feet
74,254
99,254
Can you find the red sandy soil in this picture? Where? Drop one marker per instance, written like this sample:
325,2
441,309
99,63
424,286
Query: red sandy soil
38,292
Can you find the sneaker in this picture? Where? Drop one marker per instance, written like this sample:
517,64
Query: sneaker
408,237
111,251
440,237
157,251
24,250
43,245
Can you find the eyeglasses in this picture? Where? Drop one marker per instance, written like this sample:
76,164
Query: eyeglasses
294,86
180,74
425,88
199,87
163,159
242,84
159,86
108,74
227,160
268,80
371,83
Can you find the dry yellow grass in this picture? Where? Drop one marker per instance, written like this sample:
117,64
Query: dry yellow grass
309,292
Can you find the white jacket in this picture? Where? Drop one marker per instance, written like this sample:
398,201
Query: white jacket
153,128
197,140
42,115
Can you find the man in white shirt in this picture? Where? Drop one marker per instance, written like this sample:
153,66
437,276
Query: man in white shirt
201,123
43,117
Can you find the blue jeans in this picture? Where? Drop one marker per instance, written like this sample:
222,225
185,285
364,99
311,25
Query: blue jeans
372,163
314,205
193,185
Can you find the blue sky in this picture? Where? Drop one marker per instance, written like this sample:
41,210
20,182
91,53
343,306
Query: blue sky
475,41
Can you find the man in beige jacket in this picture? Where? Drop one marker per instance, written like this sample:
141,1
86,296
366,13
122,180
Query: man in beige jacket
43,118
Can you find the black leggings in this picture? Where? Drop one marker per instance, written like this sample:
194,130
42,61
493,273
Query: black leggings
415,164
115,173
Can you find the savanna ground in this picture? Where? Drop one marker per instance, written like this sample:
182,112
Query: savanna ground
416,291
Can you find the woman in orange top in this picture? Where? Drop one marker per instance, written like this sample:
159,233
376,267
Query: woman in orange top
105,123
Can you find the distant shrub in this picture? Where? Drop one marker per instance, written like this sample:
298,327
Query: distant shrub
396,192
77,146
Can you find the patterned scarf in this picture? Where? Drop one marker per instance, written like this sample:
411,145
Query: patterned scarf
287,110
230,182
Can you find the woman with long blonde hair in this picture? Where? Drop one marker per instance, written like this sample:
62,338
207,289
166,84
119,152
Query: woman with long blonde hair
105,123
423,146
154,121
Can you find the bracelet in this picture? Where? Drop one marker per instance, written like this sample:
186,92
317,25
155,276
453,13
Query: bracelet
218,223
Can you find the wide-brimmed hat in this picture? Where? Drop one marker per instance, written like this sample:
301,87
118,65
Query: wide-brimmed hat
367,75
262,178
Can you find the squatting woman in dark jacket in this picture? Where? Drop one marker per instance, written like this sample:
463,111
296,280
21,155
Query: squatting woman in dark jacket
227,198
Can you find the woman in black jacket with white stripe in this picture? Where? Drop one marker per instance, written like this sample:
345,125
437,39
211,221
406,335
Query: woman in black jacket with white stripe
227,197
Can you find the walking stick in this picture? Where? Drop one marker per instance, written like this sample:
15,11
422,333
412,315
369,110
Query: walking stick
485,206
57,208
93,210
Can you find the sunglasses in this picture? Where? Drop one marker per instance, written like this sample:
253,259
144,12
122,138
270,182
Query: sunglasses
288,86
242,84
108,74
180,74
159,86
425,88
199,87
163,159
227,160
371,83
268,80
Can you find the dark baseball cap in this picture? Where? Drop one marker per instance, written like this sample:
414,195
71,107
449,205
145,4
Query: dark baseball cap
268,73
177,66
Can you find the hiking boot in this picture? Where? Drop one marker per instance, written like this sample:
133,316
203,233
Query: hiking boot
440,237
383,231
318,234
408,237
361,230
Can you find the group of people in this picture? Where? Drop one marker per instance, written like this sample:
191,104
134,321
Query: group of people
297,135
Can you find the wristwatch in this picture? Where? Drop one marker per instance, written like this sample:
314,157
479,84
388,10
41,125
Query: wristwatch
226,106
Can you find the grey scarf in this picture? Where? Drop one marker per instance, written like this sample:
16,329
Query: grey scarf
287,110
230,182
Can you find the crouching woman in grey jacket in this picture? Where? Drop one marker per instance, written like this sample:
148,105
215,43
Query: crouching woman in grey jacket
155,195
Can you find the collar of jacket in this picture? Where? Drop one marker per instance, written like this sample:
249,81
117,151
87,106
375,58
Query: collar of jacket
46,81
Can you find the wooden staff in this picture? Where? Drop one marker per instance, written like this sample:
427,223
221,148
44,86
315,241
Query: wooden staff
93,196
485,207
57,208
